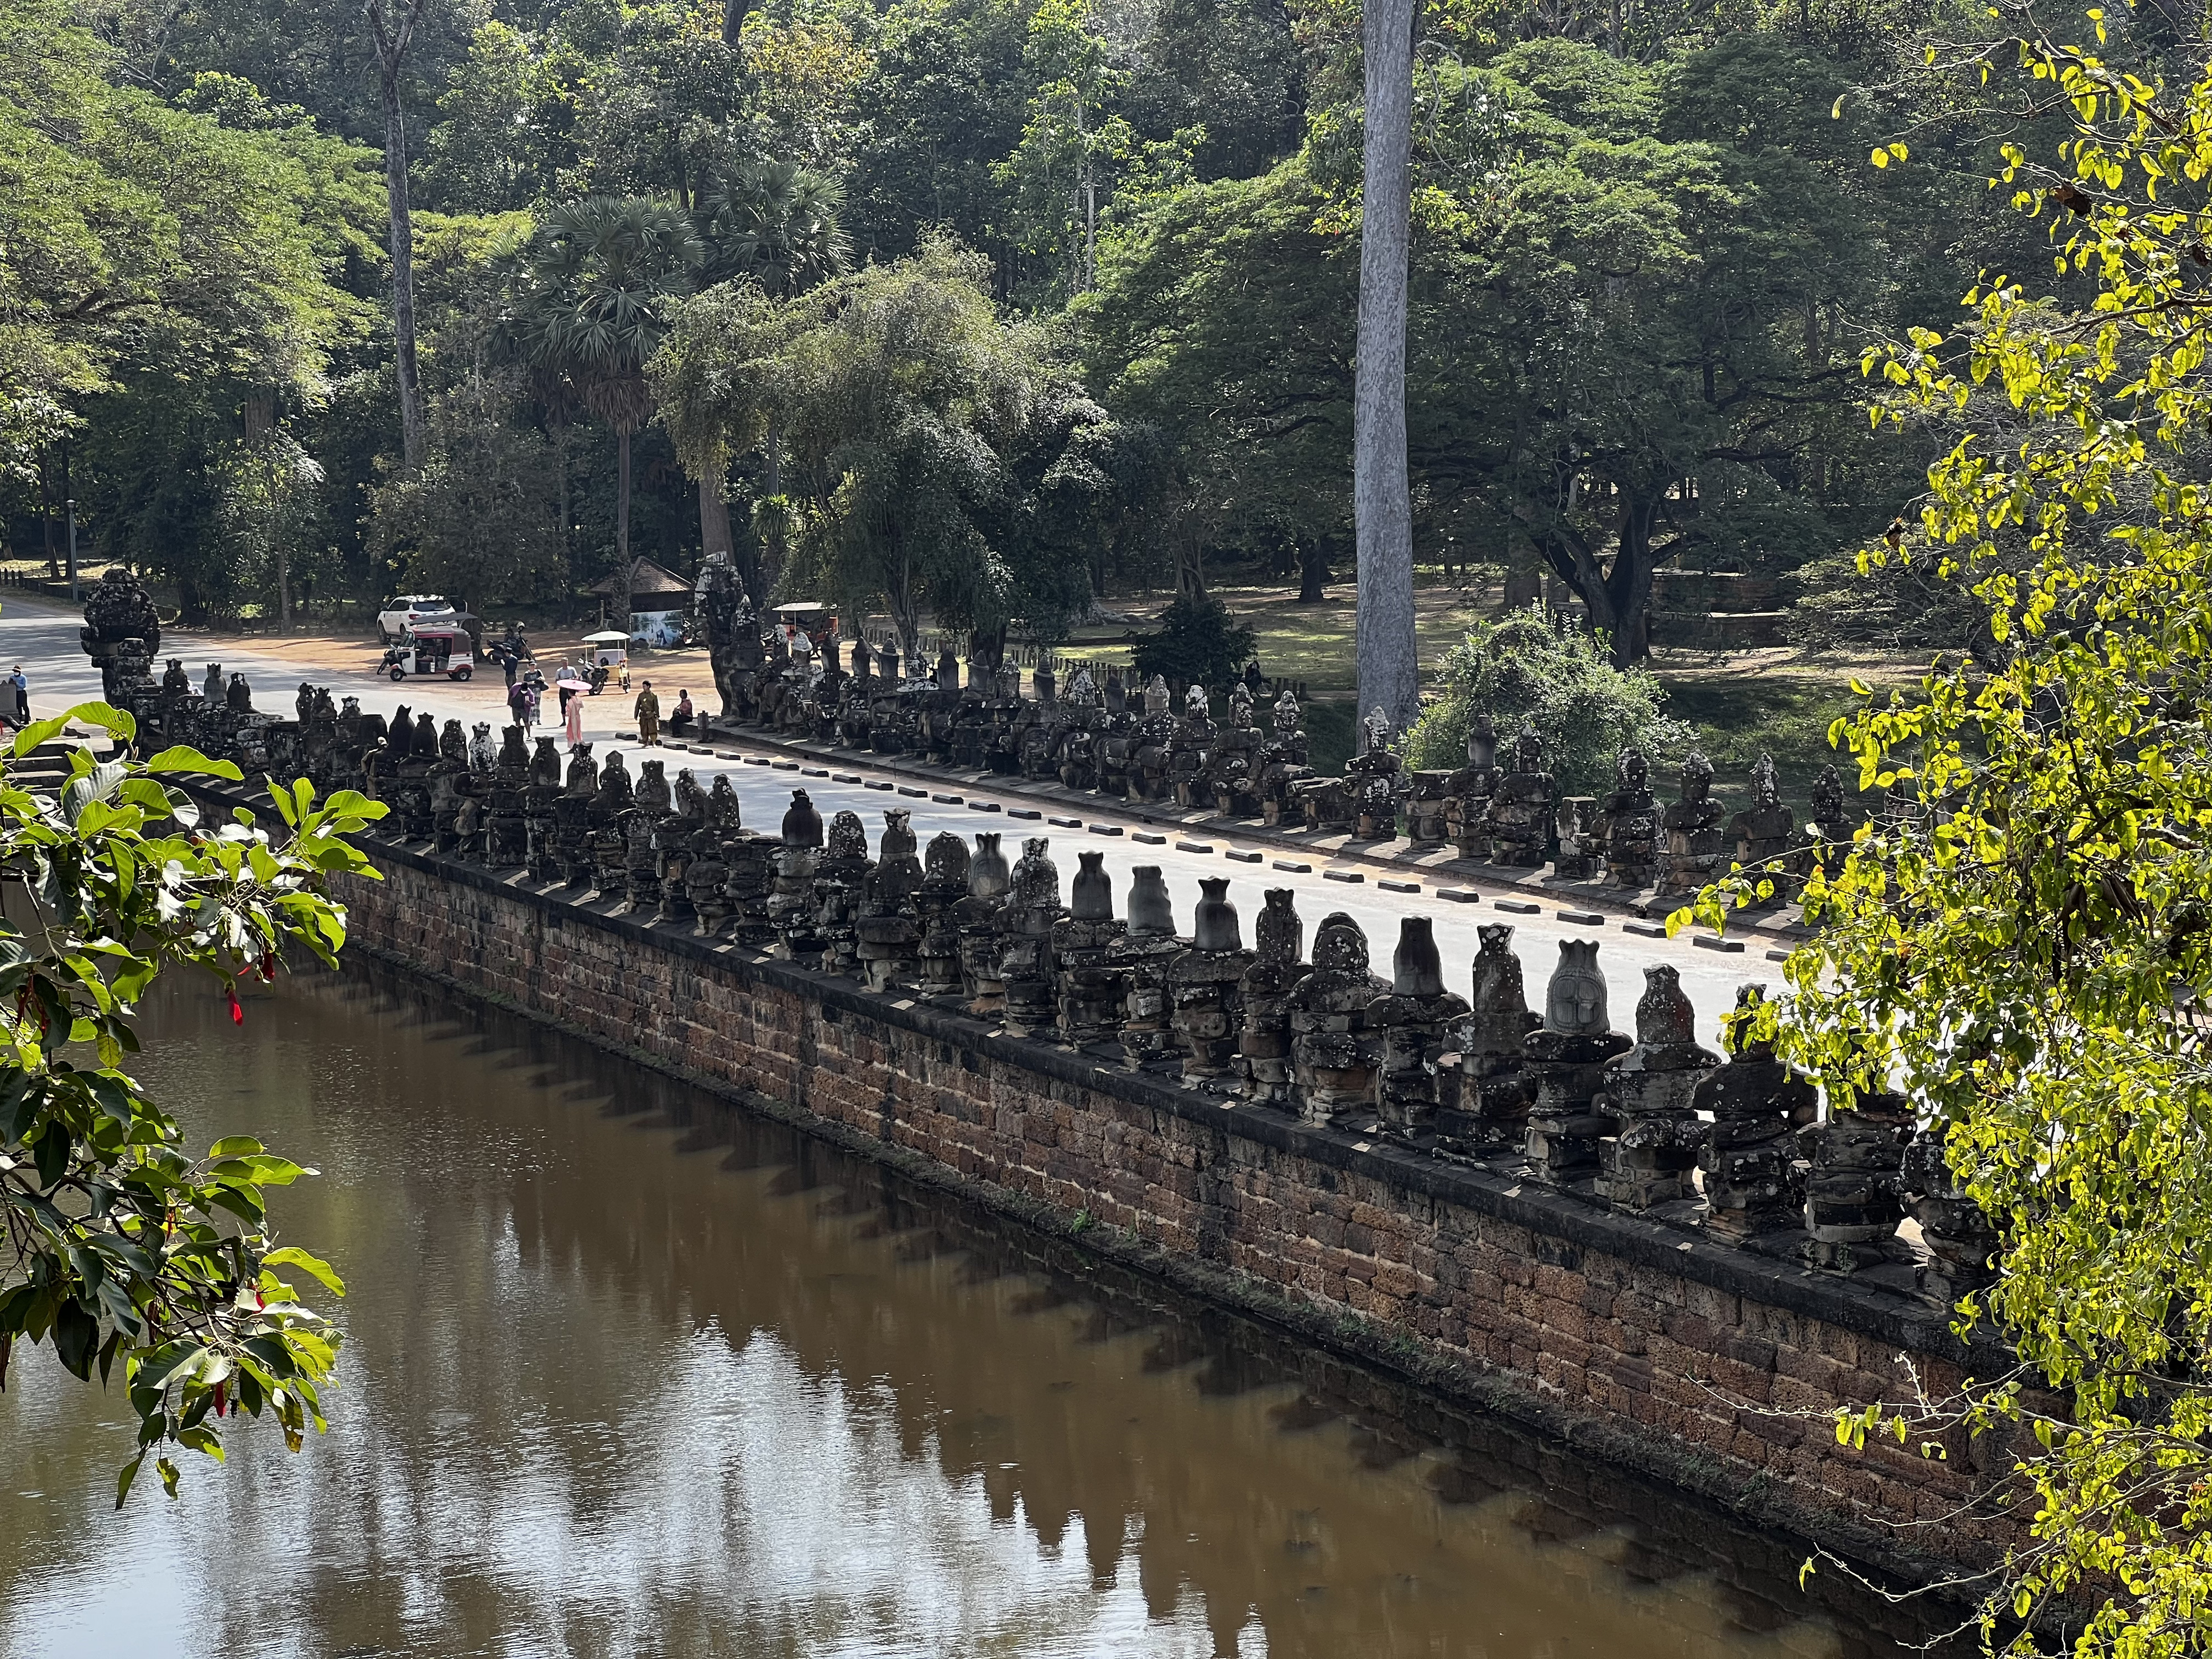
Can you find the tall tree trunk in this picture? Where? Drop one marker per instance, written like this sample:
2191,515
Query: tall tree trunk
393,30
561,460
774,458
714,518
46,514
1381,503
1313,571
621,524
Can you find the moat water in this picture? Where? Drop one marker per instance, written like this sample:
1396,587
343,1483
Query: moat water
629,1372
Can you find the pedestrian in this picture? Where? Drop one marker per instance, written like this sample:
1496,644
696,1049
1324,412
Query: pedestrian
560,679
510,664
22,687
649,717
679,718
624,670
572,717
518,702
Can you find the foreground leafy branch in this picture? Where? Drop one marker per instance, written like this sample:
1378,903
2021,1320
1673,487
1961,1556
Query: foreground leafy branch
119,1244
2022,944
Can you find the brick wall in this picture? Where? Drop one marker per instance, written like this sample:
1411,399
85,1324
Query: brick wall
1676,1354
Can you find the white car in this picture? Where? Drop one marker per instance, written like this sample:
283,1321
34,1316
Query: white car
402,613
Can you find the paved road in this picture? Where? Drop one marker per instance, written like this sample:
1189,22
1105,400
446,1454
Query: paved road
44,639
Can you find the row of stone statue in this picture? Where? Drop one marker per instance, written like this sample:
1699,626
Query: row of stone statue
1094,732
1558,1096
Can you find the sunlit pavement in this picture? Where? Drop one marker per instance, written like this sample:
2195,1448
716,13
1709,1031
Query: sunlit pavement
44,639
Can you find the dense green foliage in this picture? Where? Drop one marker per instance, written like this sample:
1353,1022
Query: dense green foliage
1198,642
1526,670
2024,948
118,1243
1646,247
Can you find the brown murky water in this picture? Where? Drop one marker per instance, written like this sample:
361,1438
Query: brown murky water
630,1373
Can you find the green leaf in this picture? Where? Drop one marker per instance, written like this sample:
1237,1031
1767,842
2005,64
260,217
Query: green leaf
182,757
291,1257
122,1481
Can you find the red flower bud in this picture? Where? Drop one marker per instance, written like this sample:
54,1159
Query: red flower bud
219,1390
237,1013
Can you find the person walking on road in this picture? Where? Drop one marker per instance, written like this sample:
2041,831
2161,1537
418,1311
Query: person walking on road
21,689
649,717
572,717
518,703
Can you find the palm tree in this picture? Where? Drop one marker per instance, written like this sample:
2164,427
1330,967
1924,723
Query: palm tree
597,284
777,223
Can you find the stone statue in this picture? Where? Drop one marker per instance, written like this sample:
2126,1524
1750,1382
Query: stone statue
176,682
211,686
484,754
120,609
732,631
1377,730
239,698
1196,705
1157,697
1286,716
583,770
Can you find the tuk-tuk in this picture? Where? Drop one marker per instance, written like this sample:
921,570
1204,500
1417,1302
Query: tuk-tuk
816,620
609,656
428,648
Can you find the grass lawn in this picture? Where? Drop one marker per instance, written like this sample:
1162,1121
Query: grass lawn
1776,702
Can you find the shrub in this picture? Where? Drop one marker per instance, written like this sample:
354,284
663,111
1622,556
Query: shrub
1522,667
1198,642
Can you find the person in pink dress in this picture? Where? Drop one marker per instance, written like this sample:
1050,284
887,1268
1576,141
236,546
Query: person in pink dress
574,717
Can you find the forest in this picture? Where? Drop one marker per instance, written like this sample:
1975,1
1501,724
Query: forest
980,310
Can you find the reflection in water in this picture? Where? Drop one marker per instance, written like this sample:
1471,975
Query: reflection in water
629,1372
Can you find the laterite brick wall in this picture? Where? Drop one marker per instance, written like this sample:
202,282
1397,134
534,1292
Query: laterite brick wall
1685,1357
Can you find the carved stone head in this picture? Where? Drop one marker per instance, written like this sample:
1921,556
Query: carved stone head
1278,934
1339,949
1575,1001
848,837
947,862
1497,988
1697,776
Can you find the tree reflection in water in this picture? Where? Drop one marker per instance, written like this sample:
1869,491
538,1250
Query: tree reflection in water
630,1371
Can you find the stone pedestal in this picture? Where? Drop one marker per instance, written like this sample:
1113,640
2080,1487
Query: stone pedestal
1427,808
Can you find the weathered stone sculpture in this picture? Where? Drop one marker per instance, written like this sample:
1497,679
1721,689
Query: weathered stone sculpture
1749,1157
976,917
119,612
791,894
834,900
1961,1243
889,933
1268,1066
1468,791
1695,849
1630,819
1337,1054
1650,1093
1147,947
1762,831
943,885
1853,1200
1026,921
1416,1021
1565,1063
1495,1089
1519,825
1092,992
1203,986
